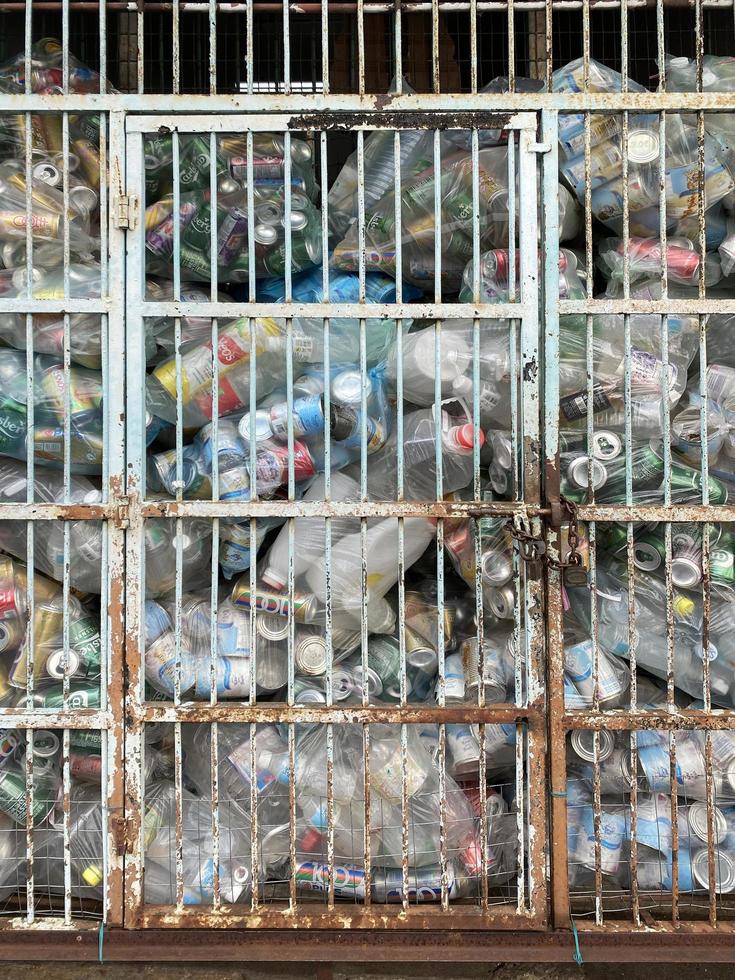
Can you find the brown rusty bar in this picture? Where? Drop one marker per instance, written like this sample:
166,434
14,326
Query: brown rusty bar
335,508
616,943
87,719
658,719
274,712
347,916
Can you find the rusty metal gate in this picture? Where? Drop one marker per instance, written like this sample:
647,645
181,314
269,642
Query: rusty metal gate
176,774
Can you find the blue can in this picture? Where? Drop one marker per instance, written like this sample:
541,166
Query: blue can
308,418
157,621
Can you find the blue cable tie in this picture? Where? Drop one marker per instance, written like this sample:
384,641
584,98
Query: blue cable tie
101,943
577,951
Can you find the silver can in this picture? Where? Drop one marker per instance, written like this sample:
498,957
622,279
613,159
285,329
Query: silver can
724,870
583,743
578,473
310,655
697,821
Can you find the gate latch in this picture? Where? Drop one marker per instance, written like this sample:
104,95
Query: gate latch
122,832
564,511
121,512
532,547
126,211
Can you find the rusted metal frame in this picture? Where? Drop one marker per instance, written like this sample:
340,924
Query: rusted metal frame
659,719
556,736
64,512
135,549
348,917
300,112
533,592
114,628
616,942
289,120
664,513
336,508
88,719
272,712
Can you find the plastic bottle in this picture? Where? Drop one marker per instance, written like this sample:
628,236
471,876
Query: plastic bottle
419,458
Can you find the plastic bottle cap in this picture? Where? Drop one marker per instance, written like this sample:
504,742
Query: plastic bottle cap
464,436
273,577
683,605
92,875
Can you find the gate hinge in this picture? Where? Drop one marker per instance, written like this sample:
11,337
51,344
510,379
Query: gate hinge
539,148
126,211
123,833
121,512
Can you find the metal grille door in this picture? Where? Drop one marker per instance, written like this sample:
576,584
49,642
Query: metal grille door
282,836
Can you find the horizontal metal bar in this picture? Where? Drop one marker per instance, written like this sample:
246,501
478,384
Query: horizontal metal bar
346,917
383,107
674,307
619,720
394,311
89,719
334,508
344,118
21,305
231,712
158,6
622,942
58,512
668,513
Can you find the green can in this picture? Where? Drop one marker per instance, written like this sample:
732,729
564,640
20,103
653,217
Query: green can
686,483
722,558
84,637
85,739
459,245
195,261
13,796
198,233
194,165
384,657
12,427
82,694
380,226
459,205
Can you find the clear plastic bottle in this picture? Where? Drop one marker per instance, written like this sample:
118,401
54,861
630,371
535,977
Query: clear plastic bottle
309,532
419,458
381,551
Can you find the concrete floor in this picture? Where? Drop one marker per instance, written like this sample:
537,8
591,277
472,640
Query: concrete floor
308,971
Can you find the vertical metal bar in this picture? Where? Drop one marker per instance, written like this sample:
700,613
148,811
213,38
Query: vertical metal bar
176,58
214,581
140,48
554,609
114,354
135,364
212,47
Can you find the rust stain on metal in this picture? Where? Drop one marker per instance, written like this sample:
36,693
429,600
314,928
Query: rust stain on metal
345,121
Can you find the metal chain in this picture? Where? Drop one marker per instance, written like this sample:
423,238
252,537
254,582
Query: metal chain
533,548
574,558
